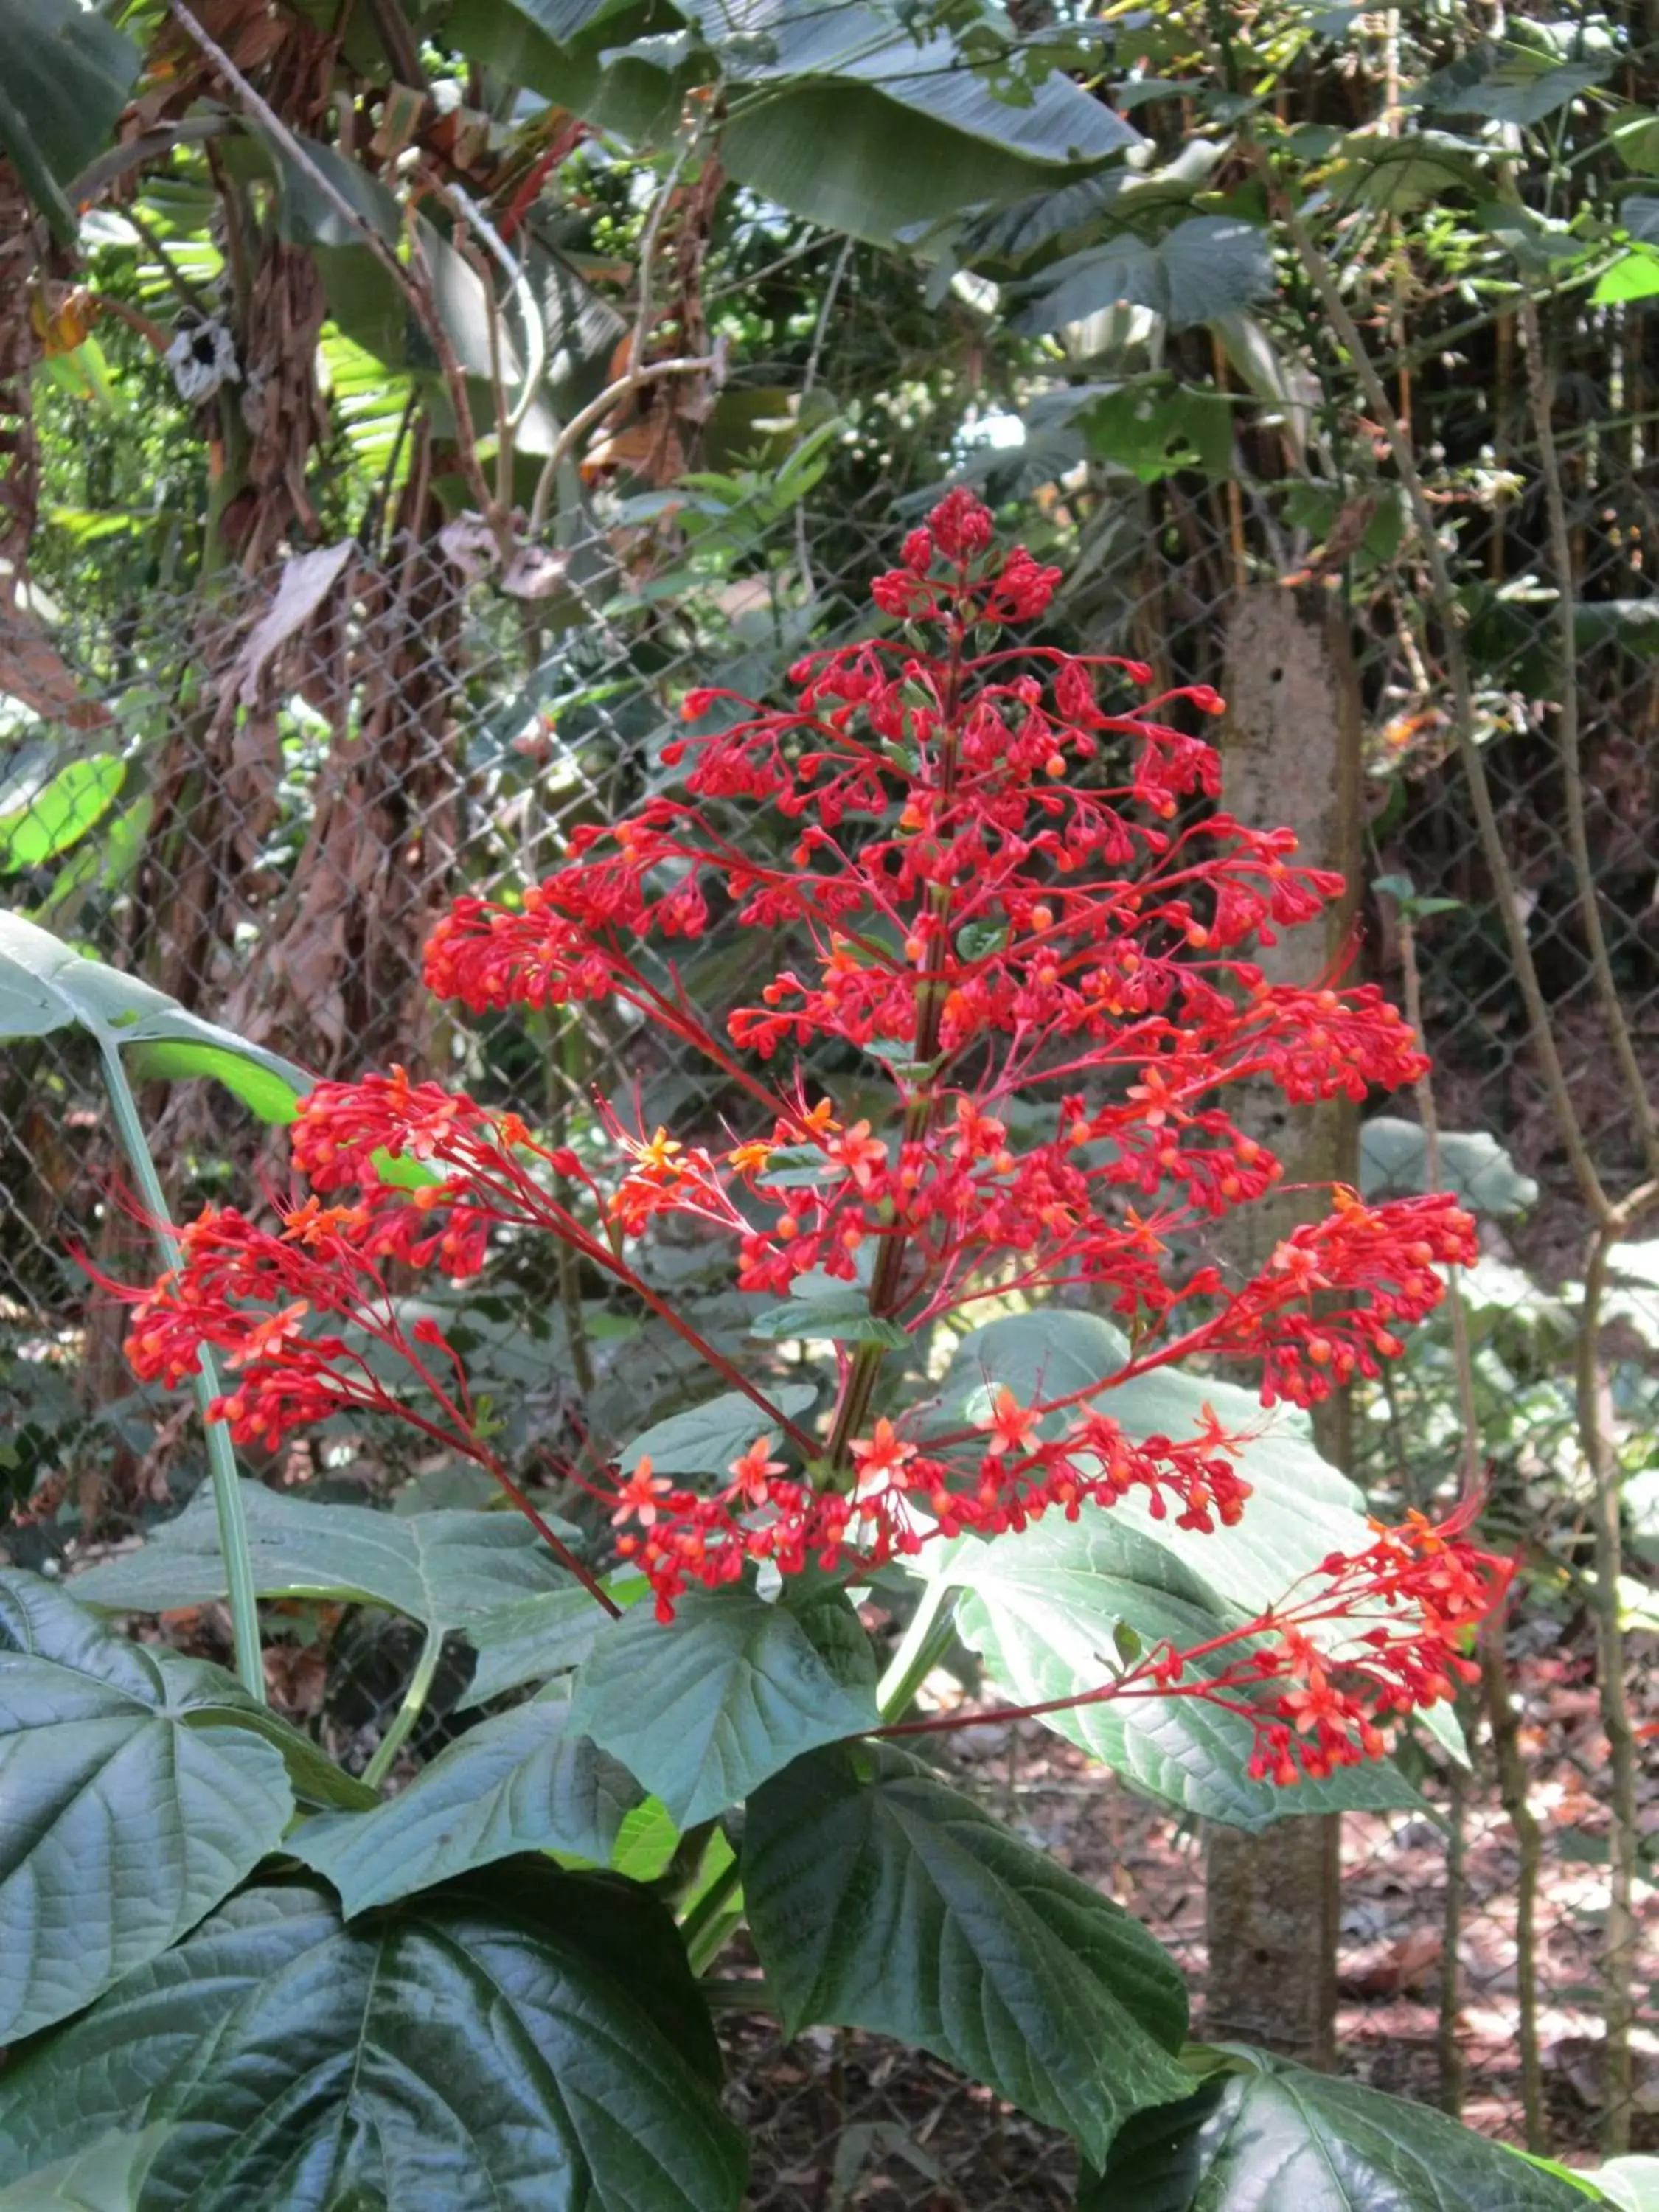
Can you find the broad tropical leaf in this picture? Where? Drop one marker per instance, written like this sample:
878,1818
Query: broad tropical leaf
878,1897
1047,1610
1394,1159
45,985
546,1632
532,2045
440,1568
106,2177
133,1801
702,1708
1274,2138
69,72
53,814
522,1782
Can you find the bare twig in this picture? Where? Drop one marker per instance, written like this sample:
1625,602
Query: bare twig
1322,277
1529,1845
1568,735
595,412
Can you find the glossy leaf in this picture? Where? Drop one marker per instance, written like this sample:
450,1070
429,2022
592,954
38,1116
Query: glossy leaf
1277,2138
133,1801
878,1897
707,1439
440,1568
543,1634
702,1708
522,1782
533,2044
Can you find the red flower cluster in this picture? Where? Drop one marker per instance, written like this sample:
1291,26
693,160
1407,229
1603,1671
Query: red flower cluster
1022,902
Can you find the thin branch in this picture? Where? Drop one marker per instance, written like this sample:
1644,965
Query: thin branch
1569,736
1323,280
595,412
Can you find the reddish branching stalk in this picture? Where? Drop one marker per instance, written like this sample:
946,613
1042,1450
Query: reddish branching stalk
1021,901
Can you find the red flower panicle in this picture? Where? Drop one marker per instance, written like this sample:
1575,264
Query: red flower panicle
1024,901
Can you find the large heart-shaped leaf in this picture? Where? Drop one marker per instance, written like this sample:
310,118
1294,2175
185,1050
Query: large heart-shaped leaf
105,2177
535,2045
1274,2138
704,1707
1045,1610
1301,1509
530,1638
522,1782
69,72
878,1897
440,1569
130,1800
45,985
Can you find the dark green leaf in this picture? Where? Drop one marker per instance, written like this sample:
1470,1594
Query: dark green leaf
1522,90
705,1439
1635,135
67,74
106,2177
704,1707
1277,2138
842,1316
531,1637
440,1569
522,1782
530,2044
880,1899
1209,266
133,1801
1398,174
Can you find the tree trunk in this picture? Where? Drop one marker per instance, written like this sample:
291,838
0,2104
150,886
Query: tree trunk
1290,754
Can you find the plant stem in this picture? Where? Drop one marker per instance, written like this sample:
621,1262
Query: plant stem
222,1459
414,1704
925,1640
704,1928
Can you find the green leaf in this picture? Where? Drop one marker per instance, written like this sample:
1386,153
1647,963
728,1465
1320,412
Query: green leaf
877,1898
106,2177
261,1089
1153,429
1632,277
865,131
1301,1509
545,1633
1394,1159
529,2043
1635,135
842,1315
1396,176
705,1439
522,1782
1277,2138
440,1569
1047,1609
1211,265
1633,2184
68,76
44,986
61,811
133,1801
1523,90
704,1707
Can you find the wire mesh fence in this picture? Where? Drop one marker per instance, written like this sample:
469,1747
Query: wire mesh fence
261,795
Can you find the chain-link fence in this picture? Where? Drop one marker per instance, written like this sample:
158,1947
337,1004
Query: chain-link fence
261,794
